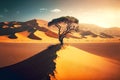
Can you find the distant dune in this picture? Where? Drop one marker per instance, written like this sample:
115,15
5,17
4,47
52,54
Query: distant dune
114,31
91,27
29,32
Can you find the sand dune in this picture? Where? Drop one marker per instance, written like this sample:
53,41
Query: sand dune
71,64
37,67
108,50
51,33
23,38
12,53
45,38
76,64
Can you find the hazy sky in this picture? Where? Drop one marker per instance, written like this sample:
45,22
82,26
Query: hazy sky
104,13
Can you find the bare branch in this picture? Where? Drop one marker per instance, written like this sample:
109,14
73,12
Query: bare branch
59,28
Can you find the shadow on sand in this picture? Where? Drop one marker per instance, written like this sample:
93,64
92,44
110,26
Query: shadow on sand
37,67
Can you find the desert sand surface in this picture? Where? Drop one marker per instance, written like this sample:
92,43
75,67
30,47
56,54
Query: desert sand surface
74,61
75,64
109,50
11,53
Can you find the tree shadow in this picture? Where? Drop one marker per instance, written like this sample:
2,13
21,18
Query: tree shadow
37,67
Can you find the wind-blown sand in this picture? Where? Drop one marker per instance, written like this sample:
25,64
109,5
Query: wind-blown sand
76,64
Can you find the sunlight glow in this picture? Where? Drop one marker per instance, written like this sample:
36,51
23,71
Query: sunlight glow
104,19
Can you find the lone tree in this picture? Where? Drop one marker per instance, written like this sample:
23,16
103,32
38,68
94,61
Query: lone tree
64,25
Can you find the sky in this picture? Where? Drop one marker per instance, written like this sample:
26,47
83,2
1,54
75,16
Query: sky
104,13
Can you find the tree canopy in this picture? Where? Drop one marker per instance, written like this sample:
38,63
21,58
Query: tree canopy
65,25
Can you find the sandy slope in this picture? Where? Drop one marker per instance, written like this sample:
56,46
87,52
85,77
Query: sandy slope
71,64
45,38
22,38
50,35
12,53
75,64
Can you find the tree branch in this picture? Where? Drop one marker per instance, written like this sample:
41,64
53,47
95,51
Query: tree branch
59,28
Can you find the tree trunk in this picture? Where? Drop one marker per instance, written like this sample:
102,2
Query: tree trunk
61,39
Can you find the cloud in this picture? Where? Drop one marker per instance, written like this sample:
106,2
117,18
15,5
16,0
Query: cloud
43,9
56,10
